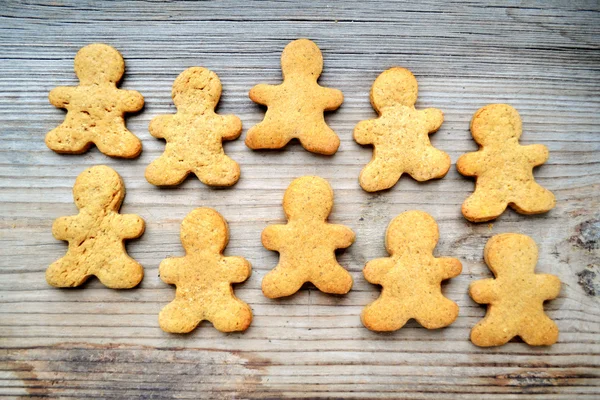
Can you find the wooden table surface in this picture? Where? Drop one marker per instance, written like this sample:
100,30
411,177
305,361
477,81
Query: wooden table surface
541,57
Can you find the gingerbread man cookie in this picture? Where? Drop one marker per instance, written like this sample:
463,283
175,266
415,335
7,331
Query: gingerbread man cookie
96,107
307,243
502,167
411,277
400,136
515,296
203,278
295,108
195,133
96,234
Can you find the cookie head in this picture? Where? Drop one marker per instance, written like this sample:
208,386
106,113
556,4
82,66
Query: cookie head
99,187
204,228
393,87
309,197
511,253
197,87
415,230
99,64
302,57
495,123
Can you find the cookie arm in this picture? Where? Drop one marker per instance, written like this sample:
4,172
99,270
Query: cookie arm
548,286
483,291
262,94
231,127
433,118
61,96
271,237
342,235
364,132
537,154
237,269
132,100
170,270
130,226
375,270
332,98
60,228
468,164
160,126
451,267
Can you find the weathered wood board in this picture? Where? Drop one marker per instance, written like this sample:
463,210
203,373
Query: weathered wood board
541,57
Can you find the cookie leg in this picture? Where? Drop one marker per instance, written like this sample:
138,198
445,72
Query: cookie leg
430,164
179,316
333,279
67,140
120,272
492,331
268,134
164,172
480,207
534,200
320,139
442,313
223,172
234,316
66,273
543,333
384,315
378,175
118,143
282,282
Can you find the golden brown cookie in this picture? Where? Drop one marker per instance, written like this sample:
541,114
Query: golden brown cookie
195,133
502,167
411,277
203,278
295,108
96,234
515,296
307,243
95,108
400,136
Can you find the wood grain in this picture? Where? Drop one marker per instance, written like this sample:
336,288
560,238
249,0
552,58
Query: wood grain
541,57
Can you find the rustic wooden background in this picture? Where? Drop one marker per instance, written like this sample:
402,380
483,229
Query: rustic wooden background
541,57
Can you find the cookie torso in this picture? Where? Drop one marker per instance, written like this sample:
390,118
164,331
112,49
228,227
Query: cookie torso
398,129
405,281
203,279
509,164
314,242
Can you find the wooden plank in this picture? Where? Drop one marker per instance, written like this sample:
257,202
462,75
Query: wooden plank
542,58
